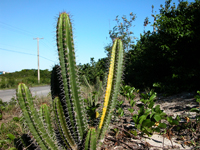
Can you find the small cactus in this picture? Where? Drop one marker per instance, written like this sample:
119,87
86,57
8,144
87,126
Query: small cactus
71,128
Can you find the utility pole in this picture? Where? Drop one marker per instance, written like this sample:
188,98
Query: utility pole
38,57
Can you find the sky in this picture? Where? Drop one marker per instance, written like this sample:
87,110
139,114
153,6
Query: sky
23,20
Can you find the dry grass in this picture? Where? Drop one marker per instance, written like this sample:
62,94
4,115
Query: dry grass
10,125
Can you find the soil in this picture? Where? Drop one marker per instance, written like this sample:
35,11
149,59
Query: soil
179,104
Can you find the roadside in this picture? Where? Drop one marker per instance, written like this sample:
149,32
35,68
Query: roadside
6,95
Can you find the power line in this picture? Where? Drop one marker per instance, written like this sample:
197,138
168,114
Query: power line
25,53
19,30
22,30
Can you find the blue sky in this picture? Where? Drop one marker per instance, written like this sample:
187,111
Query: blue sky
23,20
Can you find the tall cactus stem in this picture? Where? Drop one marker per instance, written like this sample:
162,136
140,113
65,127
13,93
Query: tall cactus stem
69,76
113,86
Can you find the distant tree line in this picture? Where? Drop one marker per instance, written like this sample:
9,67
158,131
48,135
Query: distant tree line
28,76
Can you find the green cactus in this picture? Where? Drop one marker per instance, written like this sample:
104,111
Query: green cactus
33,121
71,127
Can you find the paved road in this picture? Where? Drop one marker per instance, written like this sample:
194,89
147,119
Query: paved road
6,95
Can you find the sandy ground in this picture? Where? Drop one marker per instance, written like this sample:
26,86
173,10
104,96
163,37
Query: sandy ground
179,104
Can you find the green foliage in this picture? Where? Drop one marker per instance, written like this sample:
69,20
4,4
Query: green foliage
8,134
93,70
129,93
2,108
92,100
148,118
119,109
91,107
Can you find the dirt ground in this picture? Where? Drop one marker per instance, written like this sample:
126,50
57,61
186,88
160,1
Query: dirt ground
179,104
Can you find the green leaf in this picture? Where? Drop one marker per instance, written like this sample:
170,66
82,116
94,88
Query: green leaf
10,136
157,117
140,105
134,132
135,118
195,110
12,148
152,114
142,118
138,126
157,108
130,110
151,105
152,97
132,102
121,102
172,121
148,123
169,119
16,119
162,115
162,125
147,112
157,129
144,101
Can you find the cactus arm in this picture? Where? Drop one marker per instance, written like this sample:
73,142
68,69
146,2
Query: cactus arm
93,139
59,132
45,114
87,140
65,130
27,117
32,118
68,65
86,82
90,142
113,86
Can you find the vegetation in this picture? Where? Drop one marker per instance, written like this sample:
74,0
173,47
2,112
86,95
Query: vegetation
167,58
28,76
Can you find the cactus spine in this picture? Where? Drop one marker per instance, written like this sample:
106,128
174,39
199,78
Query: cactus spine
71,125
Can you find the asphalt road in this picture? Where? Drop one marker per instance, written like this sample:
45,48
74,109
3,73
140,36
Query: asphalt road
6,95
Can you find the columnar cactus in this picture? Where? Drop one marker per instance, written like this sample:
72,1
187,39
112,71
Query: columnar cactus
71,127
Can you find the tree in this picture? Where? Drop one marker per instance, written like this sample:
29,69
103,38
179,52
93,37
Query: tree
169,56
